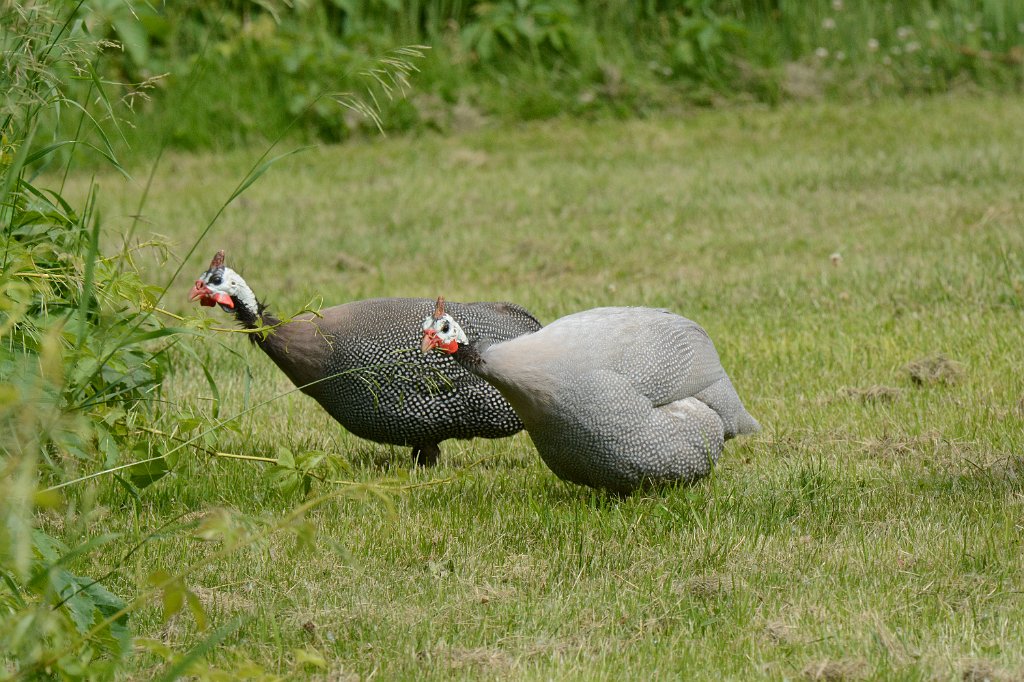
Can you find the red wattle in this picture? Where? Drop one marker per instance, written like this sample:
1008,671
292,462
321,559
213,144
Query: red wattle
223,299
431,341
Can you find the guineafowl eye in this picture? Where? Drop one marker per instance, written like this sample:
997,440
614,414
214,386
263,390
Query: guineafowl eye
216,280
445,327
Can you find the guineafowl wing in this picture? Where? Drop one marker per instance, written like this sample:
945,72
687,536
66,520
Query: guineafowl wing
674,360
664,356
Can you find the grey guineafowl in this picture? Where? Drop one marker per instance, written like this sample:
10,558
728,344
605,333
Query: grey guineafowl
613,398
361,362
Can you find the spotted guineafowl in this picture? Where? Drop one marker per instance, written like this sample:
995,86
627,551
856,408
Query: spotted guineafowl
369,373
613,398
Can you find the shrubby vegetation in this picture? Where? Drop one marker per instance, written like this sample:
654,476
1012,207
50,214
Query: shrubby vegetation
60,404
82,361
222,73
84,352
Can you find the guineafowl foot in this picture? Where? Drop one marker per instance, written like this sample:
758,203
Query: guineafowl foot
426,455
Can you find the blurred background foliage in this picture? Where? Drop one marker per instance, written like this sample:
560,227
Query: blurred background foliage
221,73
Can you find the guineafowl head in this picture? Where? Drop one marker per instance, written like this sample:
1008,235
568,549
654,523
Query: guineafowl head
222,285
441,331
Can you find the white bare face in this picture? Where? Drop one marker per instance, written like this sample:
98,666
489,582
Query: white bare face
222,285
442,332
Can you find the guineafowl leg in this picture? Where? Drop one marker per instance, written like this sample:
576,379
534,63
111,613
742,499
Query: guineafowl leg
426,455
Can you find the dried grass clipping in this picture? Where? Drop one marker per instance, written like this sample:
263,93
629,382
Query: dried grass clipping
934,370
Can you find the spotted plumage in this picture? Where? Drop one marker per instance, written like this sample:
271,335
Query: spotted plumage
613,398
361,362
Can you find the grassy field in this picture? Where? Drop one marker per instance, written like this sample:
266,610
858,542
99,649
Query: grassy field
874,529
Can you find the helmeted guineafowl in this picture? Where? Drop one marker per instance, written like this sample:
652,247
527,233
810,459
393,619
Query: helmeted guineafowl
613,398
380,387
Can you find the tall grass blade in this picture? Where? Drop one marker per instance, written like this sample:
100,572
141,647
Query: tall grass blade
91,255
258,172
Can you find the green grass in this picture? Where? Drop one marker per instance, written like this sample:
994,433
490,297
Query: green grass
854,537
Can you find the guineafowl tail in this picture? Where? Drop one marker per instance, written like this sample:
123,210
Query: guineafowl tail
746,424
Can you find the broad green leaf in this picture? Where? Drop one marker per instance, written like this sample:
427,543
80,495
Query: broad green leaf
107,604
148,472
195,607
173,599
49,548
77,602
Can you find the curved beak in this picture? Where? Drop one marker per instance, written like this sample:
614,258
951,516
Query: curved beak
430,341
202,292
209,298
